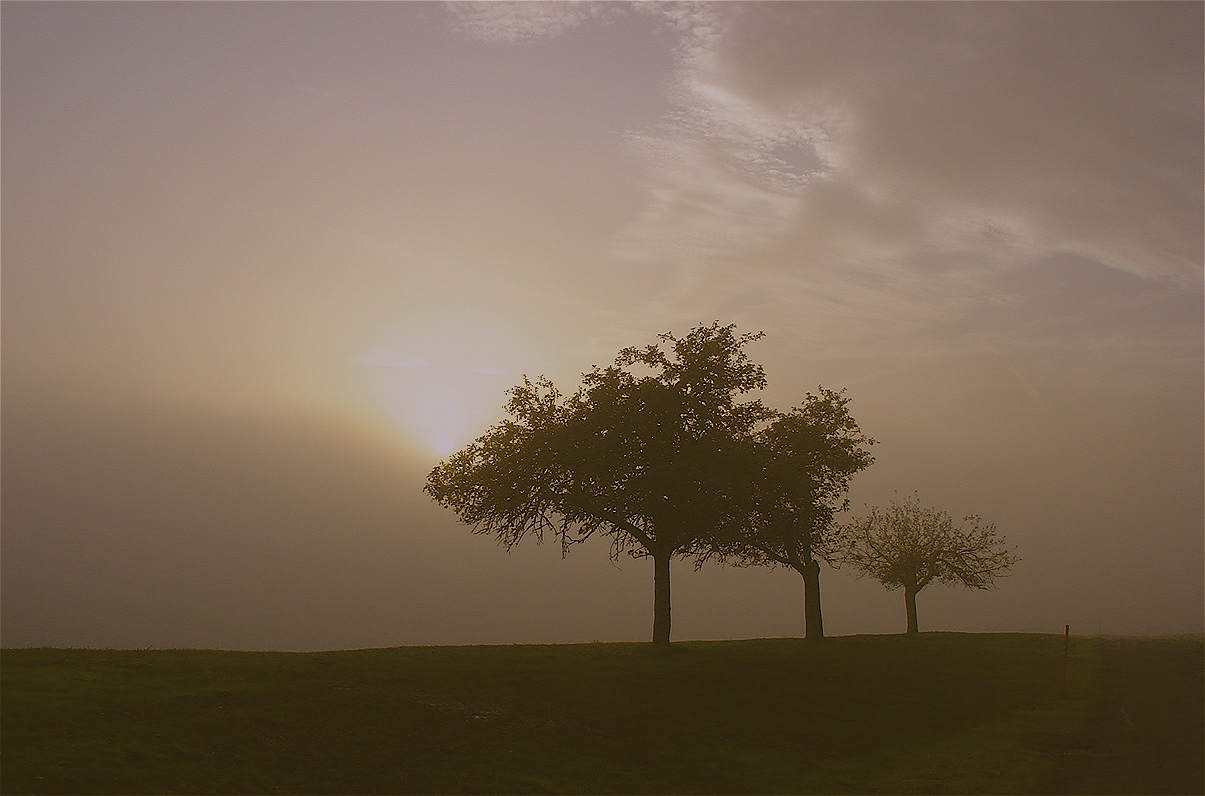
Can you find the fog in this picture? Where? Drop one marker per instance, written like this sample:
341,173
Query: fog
264,264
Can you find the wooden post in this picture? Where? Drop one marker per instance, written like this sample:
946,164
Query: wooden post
1066,648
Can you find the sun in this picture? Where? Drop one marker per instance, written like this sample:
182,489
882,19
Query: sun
443,393
442,406
449,408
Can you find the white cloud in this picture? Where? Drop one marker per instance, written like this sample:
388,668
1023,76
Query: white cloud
879,167
504,22
950,129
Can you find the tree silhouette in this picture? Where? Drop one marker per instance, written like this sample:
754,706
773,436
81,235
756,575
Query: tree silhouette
654,461
910,546
803,462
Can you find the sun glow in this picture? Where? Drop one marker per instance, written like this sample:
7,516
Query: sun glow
450,409
443,390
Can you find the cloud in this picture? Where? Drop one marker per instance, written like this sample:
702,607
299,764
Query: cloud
868,176
877,136
520,22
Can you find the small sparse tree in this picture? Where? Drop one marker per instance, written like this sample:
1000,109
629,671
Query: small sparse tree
647,460
910,546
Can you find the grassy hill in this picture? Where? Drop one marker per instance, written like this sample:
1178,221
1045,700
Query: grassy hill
937,713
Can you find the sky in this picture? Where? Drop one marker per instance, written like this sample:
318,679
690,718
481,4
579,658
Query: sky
264,264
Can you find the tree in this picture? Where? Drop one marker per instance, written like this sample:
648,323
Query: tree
910,546
803,462
646,460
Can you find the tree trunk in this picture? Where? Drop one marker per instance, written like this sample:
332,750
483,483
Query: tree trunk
661,599
910,608
813,620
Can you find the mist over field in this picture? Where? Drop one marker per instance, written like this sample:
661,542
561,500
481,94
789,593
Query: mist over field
265,265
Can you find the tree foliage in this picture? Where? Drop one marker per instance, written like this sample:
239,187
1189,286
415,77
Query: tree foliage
808,457
909,546
649,451
802,463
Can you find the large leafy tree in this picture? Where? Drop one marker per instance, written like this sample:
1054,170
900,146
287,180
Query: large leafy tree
650,451
908,545
802,463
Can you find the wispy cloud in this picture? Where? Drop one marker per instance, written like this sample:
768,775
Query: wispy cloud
882,167
869,175
505,22
866,134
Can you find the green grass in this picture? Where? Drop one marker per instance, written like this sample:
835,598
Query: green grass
937,713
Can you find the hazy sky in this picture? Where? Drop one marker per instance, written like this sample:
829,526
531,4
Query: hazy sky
263,264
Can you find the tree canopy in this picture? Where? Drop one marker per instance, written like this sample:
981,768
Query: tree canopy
801,466
909,546
650,451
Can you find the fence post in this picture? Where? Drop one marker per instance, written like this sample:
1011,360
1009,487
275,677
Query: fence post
1066,648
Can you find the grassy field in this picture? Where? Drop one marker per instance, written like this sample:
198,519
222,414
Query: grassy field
937,713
